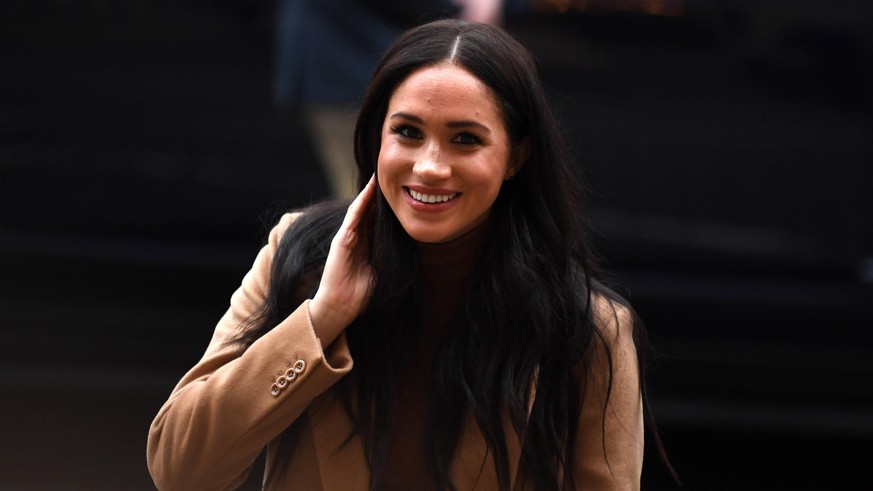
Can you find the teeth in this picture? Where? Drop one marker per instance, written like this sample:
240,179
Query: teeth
431,198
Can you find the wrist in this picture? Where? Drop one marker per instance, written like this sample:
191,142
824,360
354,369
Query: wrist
326,322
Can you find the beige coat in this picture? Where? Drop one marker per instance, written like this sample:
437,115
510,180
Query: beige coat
232,404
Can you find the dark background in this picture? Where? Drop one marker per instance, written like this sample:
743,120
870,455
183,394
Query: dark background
727,146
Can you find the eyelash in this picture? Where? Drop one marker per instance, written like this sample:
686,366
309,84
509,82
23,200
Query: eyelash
473,139
403,130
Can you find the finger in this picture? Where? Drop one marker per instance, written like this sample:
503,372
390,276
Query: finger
356,209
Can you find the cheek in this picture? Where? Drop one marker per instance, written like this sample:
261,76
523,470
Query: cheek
387,174
491,173
390,161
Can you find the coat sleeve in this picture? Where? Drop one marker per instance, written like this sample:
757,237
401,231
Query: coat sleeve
609,452
233,402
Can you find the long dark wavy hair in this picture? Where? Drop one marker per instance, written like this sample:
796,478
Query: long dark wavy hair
527,320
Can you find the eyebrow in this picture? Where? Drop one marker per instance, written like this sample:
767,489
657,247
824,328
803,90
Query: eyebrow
450,124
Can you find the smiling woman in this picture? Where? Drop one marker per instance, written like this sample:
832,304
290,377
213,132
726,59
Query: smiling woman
486,352
445,153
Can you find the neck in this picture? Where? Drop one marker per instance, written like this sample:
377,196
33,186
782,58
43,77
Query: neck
446,271
454,260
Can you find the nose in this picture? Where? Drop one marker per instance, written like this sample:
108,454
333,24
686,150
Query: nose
429,165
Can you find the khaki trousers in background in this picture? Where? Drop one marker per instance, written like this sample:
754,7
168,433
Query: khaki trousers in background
332,129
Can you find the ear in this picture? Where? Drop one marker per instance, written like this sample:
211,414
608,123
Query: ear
518,158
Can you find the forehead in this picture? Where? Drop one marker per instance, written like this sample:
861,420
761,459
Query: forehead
443,86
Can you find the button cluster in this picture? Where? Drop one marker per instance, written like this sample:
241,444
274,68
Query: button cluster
289,376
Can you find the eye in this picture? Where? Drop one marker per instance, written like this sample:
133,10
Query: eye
467,139
406,131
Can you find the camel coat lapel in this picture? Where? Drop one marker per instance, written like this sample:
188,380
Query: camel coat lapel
473,467
343,465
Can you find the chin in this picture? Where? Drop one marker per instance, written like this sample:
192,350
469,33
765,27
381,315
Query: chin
427,237
429,234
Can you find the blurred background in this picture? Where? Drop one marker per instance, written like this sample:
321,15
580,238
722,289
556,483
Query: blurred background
727,144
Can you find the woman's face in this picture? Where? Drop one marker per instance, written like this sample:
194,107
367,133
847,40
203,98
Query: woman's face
445,153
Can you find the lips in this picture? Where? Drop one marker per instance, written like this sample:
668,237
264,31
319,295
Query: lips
430,198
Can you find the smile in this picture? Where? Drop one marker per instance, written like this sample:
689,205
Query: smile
431,198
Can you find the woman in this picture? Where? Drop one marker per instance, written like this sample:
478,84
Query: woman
326,51
486,353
